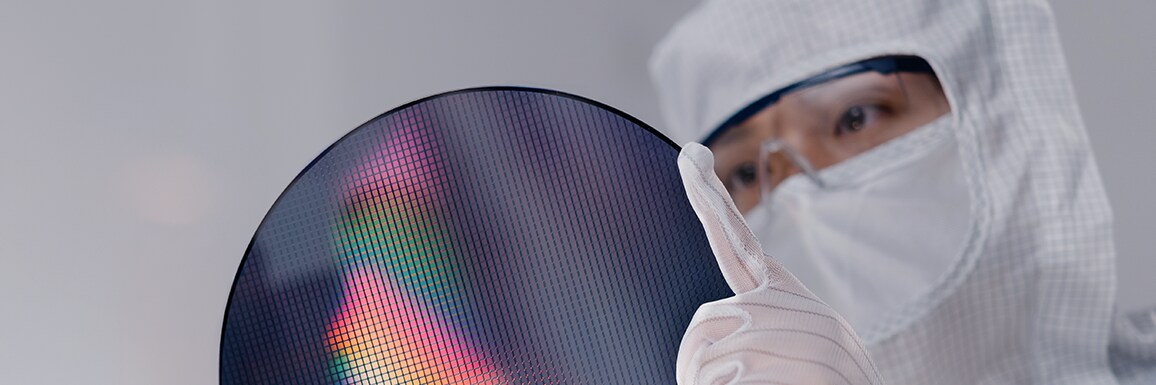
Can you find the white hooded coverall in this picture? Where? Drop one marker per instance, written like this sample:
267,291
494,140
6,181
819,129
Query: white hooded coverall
1030,298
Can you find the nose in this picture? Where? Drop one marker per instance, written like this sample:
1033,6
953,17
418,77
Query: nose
779,161
776,167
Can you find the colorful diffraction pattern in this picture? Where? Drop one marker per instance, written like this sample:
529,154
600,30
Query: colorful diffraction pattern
381,336
401,316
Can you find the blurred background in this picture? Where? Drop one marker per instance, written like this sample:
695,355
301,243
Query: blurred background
141,142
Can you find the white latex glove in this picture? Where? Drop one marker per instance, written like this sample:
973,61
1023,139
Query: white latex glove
774,330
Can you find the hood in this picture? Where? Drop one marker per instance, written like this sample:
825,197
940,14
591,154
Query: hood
1030,300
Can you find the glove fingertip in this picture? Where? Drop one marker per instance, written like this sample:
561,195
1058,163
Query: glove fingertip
734,246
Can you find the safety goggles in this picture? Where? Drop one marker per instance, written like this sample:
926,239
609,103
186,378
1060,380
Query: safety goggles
829,118
882,65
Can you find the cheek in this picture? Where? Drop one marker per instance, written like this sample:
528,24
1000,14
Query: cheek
747,200
891,127
929,99
920,114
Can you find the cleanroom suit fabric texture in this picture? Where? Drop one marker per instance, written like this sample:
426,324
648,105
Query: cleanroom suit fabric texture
1030,297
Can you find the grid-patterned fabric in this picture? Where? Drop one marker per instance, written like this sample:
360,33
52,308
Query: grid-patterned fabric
490,236
1030,299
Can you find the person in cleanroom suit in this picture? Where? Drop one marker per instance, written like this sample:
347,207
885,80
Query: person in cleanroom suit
898,192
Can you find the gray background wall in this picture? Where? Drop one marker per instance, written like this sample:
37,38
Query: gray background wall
141,142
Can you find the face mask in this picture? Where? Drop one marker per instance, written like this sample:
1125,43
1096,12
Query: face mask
880,233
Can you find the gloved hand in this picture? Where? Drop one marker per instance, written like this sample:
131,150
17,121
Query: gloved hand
774,330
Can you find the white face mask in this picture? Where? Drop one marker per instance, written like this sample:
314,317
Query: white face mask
881,233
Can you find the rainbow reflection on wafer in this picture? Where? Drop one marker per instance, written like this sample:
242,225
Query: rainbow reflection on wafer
398,321
381,336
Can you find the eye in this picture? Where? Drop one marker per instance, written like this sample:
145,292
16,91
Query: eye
855,119
743,177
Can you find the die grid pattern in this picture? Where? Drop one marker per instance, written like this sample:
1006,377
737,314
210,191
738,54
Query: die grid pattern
499,235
